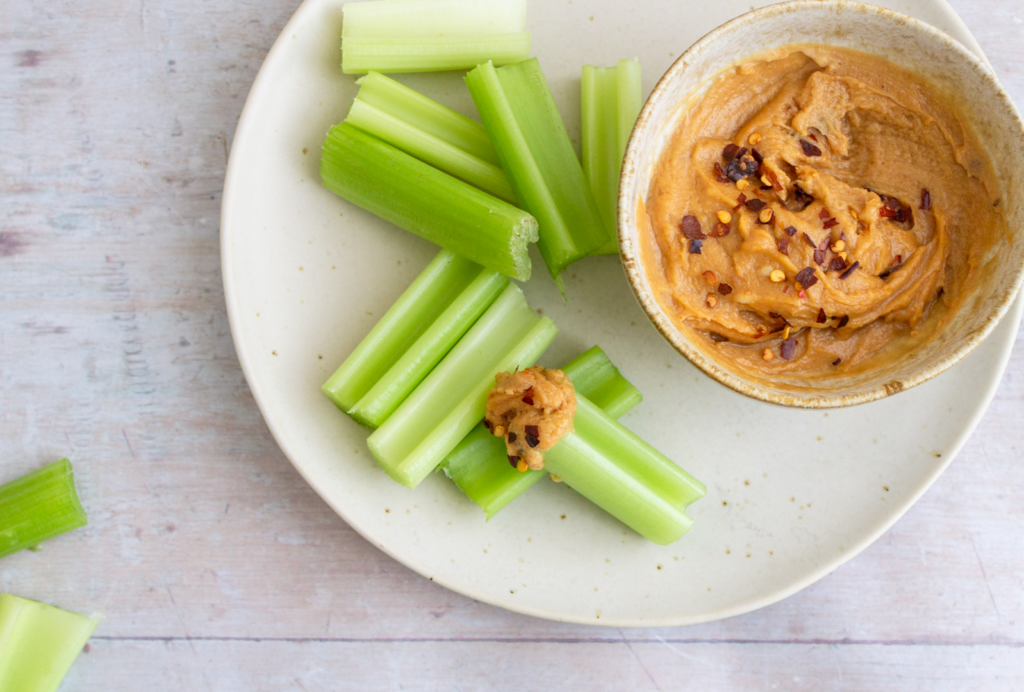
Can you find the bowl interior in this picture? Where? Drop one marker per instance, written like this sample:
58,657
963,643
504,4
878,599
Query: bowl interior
949,67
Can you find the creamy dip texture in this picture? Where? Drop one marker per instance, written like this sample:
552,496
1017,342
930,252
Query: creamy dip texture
816,209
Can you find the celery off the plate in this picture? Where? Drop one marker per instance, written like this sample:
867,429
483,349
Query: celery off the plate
519,112
413,336
418,36
479,466
429,131
38,507
611,101
430,203
38,644
451,400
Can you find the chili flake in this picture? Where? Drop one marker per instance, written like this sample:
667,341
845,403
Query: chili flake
846,274
806,277
809,149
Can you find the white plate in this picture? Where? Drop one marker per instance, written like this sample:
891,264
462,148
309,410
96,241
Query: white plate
791,494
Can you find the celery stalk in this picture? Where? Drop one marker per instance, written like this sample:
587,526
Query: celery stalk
430,295
38,507
451,400
392,389
478,464
625,476
611,101
519,112
423,200
418,36
432,133
38,644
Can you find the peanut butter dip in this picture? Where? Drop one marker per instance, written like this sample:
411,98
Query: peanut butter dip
532,409
816,209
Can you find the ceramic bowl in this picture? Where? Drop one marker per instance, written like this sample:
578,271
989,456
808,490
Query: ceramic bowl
910,43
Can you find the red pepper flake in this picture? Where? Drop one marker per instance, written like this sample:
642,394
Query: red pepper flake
790,231
899,259
812,136
724,289
774,179
887,213
757,156
849,272
844,321
740,201
788,348
837,361
822,317
691,229
720,231
785,289
533,430
926,200
831,223
783,244
695,246
810,241
806,277
720,173
756,205
802,295
837,264
823,214
821,250
528,400
810,149
731,152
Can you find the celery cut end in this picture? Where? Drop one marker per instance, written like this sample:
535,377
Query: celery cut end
40,506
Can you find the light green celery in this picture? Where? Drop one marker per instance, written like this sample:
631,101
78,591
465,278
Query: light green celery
625,476
38,644
451,400
611,101
429,296
432,133
478,465
392,389
430,203
38,507
418,36
519,112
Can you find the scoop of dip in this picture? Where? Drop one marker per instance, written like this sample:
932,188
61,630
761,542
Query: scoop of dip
819,210
532,409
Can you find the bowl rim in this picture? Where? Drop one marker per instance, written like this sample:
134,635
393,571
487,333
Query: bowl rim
628,233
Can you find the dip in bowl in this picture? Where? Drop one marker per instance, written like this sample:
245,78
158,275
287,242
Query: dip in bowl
816,225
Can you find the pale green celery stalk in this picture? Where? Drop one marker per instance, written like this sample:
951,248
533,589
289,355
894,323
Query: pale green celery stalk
430,203
38,644
38,507
625,476
432,133
479,466
451,400
392,389
519,112
430,295
611,101
418,36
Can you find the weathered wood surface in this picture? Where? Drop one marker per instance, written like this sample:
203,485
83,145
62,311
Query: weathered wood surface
216,567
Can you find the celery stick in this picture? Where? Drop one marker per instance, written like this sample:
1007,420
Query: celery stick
392,389
418,36
478,464
38,507
625,476
611,101
430,132
429,296
519,112
434,205
38,644
451,400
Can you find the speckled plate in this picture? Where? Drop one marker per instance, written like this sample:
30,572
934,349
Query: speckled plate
792,494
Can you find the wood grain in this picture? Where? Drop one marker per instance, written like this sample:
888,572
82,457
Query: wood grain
215,565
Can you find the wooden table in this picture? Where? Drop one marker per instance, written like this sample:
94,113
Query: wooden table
215,565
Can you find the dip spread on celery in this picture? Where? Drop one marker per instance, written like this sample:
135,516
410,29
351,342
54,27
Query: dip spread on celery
819,208
532,409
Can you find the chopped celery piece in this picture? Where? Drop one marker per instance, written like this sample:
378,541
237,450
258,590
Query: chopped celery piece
611,101
418,36
451,400
434,205
478,464
624,476
519,112
429,296
392,389
38,644
432,133
39,506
